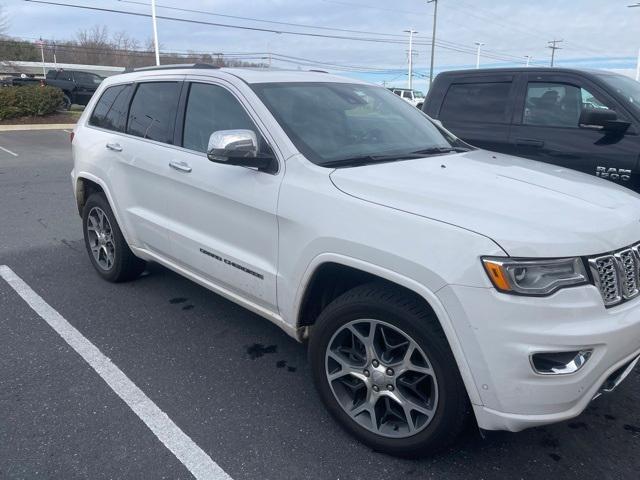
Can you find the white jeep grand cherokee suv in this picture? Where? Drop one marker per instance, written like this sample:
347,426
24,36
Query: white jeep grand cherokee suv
432,280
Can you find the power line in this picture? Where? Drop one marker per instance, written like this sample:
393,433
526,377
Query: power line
447,45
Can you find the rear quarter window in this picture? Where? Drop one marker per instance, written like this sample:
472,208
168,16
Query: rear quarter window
110,111
476,102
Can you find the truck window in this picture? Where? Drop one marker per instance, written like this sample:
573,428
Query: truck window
153,111
557,104
211,108
111,110
476,102
63,75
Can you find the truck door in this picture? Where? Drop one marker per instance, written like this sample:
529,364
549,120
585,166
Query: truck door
547,128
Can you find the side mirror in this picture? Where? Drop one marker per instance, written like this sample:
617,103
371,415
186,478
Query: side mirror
239,147
602,119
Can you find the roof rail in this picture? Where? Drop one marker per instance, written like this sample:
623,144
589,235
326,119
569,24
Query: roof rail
173,67
317,71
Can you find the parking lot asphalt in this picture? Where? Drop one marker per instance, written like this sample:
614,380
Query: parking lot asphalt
234,383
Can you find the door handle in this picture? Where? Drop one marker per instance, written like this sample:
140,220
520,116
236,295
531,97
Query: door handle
529,142
180,166
114,146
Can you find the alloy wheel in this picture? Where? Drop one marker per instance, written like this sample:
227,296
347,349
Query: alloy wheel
100,236
381,378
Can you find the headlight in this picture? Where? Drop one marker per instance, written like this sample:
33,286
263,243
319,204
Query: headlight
534,277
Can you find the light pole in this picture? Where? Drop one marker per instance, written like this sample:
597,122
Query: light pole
433,38
410,32
479,45
41,43
638,62
529,58
155,30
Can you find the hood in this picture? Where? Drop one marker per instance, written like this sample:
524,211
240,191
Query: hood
531,209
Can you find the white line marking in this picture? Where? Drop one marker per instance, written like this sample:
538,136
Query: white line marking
9,151
68,131
178,442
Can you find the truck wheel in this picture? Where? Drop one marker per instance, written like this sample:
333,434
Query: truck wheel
66,102
383,368
419,106
108,250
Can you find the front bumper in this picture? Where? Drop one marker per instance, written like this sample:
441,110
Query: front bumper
499,332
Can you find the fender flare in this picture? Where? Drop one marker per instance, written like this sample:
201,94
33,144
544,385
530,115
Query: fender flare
428,295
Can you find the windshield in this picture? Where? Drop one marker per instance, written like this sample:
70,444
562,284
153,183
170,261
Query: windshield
418,94
331,122
626,87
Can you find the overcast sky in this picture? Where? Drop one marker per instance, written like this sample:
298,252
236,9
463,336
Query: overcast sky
596,33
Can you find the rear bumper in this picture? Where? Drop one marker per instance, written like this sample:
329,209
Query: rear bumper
499,332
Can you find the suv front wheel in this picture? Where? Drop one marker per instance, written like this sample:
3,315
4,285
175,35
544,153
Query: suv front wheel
384,370
108,250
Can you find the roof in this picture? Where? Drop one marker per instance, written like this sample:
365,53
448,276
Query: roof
485,71
248,75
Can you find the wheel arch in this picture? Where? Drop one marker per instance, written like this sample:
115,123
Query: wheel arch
318,288
87,184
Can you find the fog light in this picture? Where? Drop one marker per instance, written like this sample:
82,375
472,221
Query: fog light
559,363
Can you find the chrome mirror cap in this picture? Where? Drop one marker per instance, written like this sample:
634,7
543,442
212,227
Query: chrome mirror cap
226,144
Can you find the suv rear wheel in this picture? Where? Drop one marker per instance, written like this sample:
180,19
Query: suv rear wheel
384,370
108,250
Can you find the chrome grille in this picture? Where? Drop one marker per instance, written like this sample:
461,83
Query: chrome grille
617,275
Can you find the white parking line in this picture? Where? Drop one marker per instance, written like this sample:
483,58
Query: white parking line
68,131
178,442
8,151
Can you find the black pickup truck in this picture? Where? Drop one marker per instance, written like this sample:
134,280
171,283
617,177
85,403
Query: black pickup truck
77,86
587,120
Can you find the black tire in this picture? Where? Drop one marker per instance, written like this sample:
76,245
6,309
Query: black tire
419,106
66,102
392,305
125,266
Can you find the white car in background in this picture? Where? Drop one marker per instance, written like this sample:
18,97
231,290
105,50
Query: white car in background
414,97
433,281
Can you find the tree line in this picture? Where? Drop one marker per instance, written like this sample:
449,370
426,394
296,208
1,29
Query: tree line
97,46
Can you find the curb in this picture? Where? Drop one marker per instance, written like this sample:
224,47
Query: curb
43,126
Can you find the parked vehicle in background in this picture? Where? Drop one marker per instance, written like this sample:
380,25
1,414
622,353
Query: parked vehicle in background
431,279
77,86
584,120
414,97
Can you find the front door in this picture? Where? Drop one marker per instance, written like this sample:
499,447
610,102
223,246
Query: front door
224,223
547,128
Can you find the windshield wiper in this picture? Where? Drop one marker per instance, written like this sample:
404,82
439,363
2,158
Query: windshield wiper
439,150
369,159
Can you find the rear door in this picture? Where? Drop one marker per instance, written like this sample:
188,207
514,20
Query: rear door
141,177
223,218
546,128
478,109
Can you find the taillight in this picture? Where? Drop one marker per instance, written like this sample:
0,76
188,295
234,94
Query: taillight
71,135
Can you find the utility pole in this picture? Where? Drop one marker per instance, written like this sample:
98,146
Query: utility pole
410,32
553,46
41,43
638,62
55,60
479,45
433,38
155,31
529,58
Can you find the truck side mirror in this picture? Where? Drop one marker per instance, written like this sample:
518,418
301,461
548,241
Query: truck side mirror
602,119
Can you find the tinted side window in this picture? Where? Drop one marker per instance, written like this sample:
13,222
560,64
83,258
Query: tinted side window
63,75
111,110
476,102
153,111
211,108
